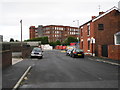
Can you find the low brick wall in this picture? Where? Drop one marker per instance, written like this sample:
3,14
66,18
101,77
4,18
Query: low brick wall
16,48
6,58
6,55
100,50
114,52
26,52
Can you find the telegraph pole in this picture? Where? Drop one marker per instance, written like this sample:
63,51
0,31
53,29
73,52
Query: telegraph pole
78,32
21,31
99,7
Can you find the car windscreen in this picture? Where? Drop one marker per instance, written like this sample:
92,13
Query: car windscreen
37,50
79,50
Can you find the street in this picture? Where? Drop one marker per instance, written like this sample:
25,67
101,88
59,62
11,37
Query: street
56,70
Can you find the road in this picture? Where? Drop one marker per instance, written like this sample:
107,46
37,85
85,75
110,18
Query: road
56,70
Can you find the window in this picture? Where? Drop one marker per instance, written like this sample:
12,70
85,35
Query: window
117,38
88,44
88,29
81,32
100,26
82,45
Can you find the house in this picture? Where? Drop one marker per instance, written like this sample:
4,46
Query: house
98,33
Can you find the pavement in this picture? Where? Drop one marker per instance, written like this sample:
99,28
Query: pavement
16,60
56,70
12,74
101,59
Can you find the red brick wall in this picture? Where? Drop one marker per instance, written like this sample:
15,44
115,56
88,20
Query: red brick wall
111,26
85,37
99,50
32,32
114,52
6,58
102,37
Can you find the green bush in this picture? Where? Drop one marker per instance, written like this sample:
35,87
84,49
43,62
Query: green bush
44,40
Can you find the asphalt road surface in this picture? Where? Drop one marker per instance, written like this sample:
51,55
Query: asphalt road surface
56,70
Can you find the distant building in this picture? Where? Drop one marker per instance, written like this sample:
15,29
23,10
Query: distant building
1,38
40,31
100,31
54,32
33,32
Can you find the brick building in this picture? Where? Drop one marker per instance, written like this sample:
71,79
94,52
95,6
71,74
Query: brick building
54,32
100,30
33,32
1,38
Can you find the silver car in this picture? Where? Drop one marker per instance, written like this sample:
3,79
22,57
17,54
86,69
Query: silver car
68,52
37,52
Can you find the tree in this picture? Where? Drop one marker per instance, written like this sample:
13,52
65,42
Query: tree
58,42
69,40
11,40
16,40
53,44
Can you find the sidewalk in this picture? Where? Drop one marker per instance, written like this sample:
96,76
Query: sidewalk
12,74
105,60
16,60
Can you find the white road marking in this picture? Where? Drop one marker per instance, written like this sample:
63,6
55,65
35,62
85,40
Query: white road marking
21,79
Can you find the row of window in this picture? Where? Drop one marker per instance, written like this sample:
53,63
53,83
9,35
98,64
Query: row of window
88,44
100,27
60,28
59,32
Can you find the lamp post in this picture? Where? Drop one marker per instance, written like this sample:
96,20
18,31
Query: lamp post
78,31
21,31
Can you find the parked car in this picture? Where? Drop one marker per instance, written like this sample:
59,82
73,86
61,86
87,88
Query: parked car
77,53
70,47
37,52
68,52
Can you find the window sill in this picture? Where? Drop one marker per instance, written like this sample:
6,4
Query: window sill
88,50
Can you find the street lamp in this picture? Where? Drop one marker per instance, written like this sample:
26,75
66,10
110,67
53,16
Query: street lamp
21,31
78,31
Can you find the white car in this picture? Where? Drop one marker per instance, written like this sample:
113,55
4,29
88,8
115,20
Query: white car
37,52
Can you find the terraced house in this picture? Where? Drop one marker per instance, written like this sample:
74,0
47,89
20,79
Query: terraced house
99,32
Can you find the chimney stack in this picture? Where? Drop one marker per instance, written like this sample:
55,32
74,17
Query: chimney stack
101,13
93,17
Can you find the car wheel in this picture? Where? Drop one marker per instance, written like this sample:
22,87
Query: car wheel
83,56
40,57
73,56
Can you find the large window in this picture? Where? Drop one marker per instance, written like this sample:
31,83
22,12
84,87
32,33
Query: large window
88,29
88,44
81,32
100,26
117,38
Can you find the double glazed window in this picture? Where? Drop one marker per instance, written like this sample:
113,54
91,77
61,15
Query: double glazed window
88,44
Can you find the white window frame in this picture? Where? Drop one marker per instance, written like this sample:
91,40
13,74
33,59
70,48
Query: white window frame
115,39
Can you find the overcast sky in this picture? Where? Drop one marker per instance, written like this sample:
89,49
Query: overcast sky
46,12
